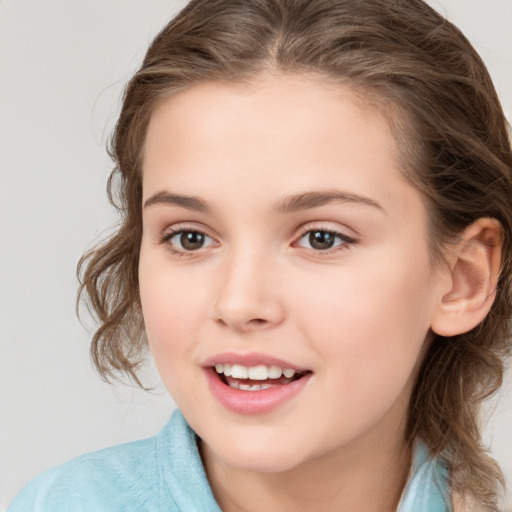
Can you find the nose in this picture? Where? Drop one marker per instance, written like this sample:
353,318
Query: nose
248,293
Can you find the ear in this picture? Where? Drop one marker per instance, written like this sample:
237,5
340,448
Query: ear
474,266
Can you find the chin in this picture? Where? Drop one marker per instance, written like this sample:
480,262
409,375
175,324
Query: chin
263,463
253,457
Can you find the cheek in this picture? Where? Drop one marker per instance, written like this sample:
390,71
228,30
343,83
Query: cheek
173,306
370,324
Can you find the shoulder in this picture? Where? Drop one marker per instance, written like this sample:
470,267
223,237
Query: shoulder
163,473
86,482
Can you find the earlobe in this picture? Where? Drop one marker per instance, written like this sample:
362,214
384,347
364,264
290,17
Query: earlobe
475,263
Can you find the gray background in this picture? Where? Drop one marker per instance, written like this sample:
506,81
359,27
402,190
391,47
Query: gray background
62,68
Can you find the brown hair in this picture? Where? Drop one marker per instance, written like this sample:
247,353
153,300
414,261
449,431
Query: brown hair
455,148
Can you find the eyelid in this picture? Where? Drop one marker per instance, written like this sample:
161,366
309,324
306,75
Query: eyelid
171,231
187,226
346,239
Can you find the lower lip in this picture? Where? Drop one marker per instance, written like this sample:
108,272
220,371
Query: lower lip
253,402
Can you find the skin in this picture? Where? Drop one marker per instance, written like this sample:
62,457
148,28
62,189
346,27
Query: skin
357,315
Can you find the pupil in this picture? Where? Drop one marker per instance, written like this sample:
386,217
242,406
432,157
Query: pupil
321,240
191,240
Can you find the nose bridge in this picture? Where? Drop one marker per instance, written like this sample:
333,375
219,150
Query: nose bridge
246,295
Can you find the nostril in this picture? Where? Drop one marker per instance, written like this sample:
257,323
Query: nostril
257,322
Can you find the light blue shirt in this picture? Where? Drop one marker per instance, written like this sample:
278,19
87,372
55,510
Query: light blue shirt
165,474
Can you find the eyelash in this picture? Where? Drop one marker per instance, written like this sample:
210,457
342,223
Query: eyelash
346,241
171,233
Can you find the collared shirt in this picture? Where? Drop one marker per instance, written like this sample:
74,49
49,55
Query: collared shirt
165,474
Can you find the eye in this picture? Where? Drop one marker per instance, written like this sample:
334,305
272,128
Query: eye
323,240
187,240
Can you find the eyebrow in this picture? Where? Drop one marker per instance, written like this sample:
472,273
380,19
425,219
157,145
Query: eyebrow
310,200
290,204
188,202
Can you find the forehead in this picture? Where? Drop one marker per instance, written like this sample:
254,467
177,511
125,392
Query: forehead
282,133
306,94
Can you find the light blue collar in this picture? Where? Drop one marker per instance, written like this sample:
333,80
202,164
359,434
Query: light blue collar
427,488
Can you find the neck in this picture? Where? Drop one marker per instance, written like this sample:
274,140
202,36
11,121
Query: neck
364,476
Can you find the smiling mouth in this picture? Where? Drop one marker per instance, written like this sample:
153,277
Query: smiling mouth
256,378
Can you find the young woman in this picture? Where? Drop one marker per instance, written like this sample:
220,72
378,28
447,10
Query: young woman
316,247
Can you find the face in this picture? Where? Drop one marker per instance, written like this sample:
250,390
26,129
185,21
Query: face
280,236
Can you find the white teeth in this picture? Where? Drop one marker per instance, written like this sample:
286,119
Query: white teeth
249,387
259,372
288,373
239,372
274,372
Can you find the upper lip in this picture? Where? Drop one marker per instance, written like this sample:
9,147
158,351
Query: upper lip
249,359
